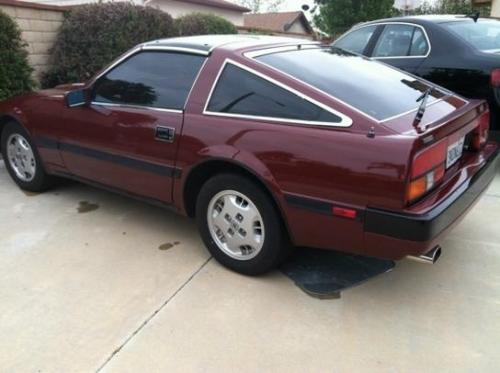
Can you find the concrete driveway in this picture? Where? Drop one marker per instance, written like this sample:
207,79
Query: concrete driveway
91,281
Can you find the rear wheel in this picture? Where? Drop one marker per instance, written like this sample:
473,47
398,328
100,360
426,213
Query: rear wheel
240,225
22,160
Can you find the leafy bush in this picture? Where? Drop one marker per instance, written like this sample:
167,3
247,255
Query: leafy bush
15,72
93,35
337,16
202,24
452,7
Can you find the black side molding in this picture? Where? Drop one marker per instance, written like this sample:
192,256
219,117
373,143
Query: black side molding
162,170
309,204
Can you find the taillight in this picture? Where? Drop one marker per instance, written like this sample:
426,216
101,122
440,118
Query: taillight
429,165
481,133
428,170
495,78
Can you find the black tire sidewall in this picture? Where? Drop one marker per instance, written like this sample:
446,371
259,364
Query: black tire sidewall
275,245
41,179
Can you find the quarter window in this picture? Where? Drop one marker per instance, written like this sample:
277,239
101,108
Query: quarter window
419,46
356,41
153,79
401,41
243,93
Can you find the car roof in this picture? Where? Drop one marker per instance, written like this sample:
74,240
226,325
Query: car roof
207,43
424,19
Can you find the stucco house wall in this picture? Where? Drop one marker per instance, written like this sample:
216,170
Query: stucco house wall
177,9
495,8
298,28
173,7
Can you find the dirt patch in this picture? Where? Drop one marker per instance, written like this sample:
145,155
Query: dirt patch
168,245
85,206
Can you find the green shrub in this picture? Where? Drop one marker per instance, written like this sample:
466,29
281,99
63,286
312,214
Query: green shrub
91,36
15,72
202,24
453,7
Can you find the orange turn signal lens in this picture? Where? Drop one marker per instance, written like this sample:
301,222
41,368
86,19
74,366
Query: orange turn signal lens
420,186
417,188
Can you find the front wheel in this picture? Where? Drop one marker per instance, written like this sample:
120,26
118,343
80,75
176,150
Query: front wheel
240,225
22,160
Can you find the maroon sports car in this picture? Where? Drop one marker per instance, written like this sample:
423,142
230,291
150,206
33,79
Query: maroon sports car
268,142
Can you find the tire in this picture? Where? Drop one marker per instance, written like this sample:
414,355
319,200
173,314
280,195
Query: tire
240,225
25,168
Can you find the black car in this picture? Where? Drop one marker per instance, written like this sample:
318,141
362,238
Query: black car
460,53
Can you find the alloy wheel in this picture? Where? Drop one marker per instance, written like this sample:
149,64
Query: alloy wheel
236,225
21,157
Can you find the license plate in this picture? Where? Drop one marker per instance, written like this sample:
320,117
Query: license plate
455,151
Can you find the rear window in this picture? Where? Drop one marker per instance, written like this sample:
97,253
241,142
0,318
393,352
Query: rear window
484,35
371,87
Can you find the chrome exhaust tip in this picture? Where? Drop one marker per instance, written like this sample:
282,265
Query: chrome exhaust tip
430,257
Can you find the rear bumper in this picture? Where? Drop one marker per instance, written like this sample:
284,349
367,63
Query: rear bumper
422,230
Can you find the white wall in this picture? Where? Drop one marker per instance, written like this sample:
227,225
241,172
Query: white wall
298,28
73,2
495,8
177,9
407,4
174,8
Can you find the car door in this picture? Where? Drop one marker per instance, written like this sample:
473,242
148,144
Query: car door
127,138
405,46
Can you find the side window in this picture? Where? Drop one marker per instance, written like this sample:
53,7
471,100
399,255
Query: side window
241,92
356,41
419,45
395,41
153,79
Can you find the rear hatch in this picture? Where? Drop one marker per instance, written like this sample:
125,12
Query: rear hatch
450,137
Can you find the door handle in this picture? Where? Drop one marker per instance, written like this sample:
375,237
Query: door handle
163,133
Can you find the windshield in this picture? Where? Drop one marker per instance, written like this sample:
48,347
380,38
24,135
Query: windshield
375,89
484,35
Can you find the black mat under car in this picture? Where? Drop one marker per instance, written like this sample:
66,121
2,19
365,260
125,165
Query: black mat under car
325,274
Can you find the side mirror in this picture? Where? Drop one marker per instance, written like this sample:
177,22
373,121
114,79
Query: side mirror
79,97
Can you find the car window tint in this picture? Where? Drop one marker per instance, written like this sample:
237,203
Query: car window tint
356,41
241,92
154,79
370,86
395,41
419,45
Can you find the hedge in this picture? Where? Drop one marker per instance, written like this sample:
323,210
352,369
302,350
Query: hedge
202,24
15,72
93,35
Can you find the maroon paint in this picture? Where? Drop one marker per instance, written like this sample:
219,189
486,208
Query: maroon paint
342,166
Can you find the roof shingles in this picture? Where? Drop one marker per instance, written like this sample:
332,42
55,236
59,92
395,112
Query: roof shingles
280,22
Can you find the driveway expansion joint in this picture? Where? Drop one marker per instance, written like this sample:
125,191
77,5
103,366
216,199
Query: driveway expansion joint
152,316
